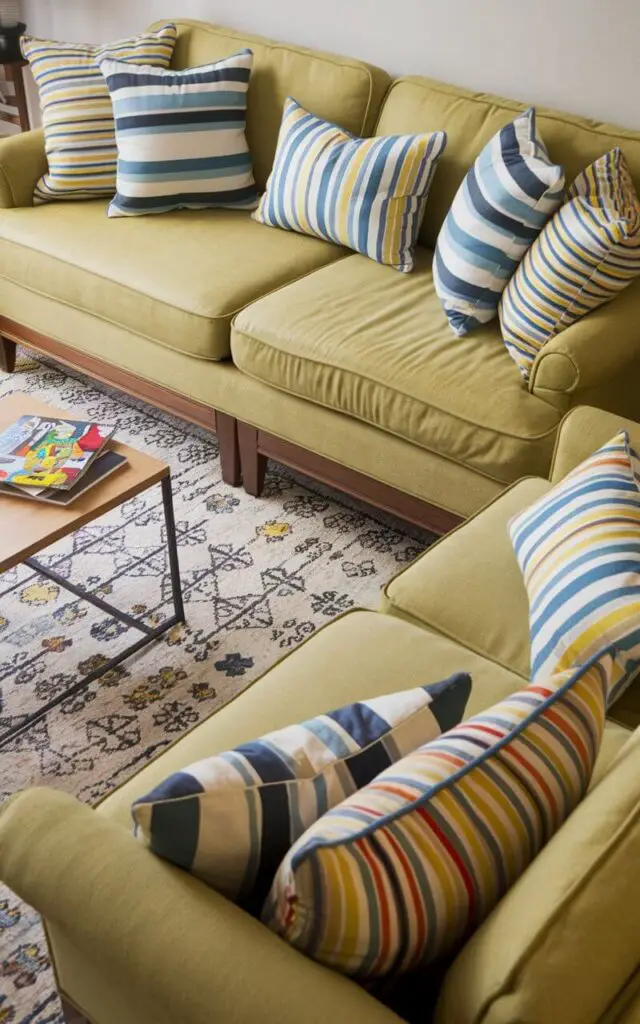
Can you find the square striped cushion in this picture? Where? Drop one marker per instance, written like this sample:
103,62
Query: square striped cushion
230,818
499,210
579,551
181,137
366,194
76,109
587,253
403,871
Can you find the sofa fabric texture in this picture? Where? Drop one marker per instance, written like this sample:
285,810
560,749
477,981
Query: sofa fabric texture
181,137
377,346
366,194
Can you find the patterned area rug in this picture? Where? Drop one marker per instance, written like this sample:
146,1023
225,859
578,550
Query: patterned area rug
258,576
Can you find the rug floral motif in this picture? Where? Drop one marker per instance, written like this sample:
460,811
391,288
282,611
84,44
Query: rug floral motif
259,576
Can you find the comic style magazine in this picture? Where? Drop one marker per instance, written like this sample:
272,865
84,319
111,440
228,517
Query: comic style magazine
38,451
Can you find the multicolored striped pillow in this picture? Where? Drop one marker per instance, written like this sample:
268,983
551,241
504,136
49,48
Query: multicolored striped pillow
181,137
230,819
586,254
404,870
579,551
77,112
499,210
366,194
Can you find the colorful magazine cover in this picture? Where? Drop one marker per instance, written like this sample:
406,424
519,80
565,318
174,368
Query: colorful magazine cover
37,451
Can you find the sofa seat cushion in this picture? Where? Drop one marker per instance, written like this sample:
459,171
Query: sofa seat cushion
361,655
376,345
177,279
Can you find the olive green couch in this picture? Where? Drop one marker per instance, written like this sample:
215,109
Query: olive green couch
137,941
293,348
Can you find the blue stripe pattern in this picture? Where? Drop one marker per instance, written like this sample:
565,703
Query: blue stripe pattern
579,551
269,791
498,212
181,137
366,194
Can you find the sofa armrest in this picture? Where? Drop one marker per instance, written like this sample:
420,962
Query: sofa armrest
23,161
592,351
165,944
582,432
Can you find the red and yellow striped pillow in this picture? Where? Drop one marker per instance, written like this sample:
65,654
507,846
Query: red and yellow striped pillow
404,870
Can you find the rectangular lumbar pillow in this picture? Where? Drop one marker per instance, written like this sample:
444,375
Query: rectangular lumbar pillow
181,137
76,109
403,871
366,194
579,551
230,818
586,254
499,210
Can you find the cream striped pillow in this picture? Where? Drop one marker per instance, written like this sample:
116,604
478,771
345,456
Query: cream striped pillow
77,113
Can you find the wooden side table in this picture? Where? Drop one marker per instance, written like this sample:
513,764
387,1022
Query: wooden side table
14,71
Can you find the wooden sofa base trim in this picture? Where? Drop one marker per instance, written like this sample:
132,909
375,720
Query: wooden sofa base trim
257,447
71,1015
223,426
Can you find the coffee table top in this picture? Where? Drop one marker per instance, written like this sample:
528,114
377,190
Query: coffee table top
28,526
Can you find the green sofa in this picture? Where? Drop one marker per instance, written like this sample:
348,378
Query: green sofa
137,941
293,348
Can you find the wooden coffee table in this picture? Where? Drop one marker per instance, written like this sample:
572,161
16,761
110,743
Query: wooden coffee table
26,527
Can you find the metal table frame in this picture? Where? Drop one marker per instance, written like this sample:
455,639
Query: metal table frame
151,633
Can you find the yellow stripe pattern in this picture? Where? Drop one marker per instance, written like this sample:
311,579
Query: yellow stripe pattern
77,112
586,254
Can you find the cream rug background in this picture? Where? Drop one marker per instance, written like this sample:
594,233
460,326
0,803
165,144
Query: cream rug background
259,576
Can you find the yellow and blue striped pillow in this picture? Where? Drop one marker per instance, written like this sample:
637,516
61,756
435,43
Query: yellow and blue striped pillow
578,548
402,872
366,194
77,113
585,255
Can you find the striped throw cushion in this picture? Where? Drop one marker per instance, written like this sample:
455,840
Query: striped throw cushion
579,551
230,819
77,112
366,194
500,208
587,253
181,137
403,871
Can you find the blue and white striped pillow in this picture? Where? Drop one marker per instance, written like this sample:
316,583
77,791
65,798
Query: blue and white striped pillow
181,137
578,548
367,194
230,819
499,210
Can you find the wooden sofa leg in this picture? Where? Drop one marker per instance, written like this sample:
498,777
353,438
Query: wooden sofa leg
71,1015
229,451
253,462
7,355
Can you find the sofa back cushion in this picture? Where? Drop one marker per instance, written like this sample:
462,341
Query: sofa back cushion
471,119
563,944
338,89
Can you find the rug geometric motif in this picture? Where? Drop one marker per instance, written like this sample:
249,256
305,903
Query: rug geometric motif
258,575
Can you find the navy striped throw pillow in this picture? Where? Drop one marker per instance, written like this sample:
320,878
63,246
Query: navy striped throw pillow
499,210
181,137
231,818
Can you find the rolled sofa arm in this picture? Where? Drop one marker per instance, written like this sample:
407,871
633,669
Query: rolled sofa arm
23,161
582,432
592,351
168,946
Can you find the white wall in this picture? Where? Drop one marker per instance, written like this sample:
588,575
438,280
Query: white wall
577,55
